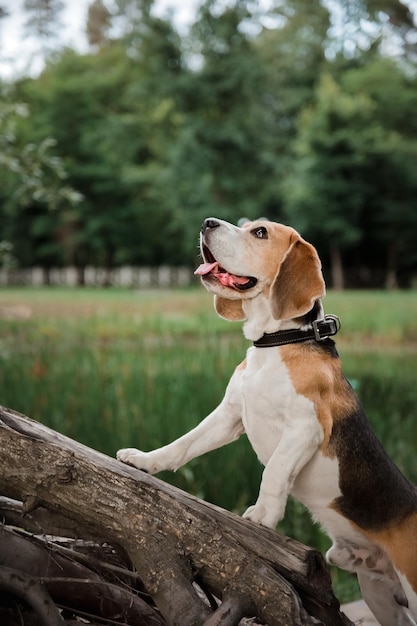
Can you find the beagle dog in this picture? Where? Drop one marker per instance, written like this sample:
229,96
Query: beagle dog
300,414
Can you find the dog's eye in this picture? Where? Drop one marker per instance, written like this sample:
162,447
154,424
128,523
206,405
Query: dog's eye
260,232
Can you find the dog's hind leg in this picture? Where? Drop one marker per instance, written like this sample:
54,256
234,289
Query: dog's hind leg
379,582
386,599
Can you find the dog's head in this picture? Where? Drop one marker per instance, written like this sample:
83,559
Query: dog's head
260,258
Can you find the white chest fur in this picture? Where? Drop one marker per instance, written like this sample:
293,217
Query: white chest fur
284,430
272,407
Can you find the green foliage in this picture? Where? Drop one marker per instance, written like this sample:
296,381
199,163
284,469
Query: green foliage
352,178
87,127
33,186
29,172
324,193
7,259
295,113
221,149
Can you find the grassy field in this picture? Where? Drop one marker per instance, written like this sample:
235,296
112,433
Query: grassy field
116,368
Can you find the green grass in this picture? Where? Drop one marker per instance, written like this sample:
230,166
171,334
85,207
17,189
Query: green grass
115,368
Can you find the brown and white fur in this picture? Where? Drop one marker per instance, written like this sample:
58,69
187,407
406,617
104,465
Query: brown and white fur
302,417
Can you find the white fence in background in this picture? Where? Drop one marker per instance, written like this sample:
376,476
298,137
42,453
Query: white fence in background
135,277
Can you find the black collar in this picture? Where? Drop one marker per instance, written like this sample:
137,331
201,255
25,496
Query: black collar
321,329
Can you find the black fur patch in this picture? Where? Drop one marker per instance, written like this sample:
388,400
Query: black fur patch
328,346
311,316
375,494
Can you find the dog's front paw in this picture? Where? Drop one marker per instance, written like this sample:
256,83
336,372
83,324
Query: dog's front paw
260,515
137,458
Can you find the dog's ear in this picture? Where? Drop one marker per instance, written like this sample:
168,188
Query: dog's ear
229,309
298,283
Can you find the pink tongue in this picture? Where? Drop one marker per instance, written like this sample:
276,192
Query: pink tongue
228,280
206,268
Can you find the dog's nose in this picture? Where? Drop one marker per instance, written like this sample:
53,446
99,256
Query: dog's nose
209,223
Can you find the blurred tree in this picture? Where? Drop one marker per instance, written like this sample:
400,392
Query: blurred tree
112,123
3,13
398,12
292,53
32,183
43,19
324,191
238,106
390,170
98,23
133,18
151,101
218,158
74,101
352,175
360,25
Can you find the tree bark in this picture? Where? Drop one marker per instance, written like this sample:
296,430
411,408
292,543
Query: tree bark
391,280
71,583
173,539
337,272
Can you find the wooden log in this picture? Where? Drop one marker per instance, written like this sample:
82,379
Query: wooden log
172,538
70,583
35,595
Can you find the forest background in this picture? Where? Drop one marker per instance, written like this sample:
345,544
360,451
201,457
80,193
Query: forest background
297,111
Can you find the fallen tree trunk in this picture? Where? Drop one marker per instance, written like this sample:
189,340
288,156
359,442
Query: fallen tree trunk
172,539
75,581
